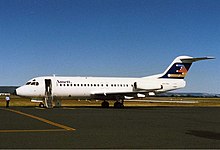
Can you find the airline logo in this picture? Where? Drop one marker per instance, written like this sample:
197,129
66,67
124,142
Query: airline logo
68,82
178,71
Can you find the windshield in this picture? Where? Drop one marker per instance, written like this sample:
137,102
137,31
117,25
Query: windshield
32,83
28,83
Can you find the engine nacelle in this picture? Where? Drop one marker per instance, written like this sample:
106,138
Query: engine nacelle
148,86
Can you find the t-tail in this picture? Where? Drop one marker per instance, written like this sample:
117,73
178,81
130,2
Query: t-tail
180,66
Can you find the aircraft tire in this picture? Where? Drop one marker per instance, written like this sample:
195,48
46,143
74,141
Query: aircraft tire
105,104
41,105
118,105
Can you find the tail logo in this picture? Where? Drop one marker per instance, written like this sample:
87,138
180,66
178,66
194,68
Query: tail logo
177,71
181,71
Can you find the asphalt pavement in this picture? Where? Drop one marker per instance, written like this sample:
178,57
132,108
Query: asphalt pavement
94,127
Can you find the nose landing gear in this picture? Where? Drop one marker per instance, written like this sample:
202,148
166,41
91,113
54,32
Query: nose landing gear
41,105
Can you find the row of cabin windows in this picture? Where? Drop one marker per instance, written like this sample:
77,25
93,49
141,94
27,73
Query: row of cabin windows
96,85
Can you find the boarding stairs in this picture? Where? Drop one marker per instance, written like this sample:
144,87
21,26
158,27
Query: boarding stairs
49,102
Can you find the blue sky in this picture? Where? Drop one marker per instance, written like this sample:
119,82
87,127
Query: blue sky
109,38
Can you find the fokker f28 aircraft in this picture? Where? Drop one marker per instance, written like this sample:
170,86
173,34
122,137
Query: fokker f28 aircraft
50,90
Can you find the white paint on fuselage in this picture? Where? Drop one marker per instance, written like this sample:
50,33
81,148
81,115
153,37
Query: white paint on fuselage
84,87
108,87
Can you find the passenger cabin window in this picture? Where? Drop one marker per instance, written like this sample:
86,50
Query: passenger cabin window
86,85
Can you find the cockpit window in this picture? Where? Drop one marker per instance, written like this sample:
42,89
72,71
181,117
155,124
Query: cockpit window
32,83
28,83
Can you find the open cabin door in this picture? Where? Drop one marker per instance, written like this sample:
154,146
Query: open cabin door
48,93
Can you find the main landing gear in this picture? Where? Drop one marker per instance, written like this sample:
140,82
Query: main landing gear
117,104
105,104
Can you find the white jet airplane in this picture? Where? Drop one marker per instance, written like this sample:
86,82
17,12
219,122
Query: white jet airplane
50,90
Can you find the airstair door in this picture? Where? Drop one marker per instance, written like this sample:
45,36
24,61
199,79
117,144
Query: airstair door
48,93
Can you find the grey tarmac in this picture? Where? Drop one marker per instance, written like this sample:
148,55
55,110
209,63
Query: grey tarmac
94,127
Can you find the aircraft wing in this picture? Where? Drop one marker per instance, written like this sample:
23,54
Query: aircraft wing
120,95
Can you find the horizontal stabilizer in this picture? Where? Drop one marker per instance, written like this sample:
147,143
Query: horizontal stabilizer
180,66
195,59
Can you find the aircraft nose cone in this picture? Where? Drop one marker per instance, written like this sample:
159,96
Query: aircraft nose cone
18,91
22,91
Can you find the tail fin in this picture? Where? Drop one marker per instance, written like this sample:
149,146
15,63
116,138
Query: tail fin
180,66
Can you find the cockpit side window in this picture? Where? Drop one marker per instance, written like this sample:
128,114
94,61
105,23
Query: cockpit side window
33,83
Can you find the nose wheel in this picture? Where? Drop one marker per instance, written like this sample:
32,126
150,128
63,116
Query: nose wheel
41,105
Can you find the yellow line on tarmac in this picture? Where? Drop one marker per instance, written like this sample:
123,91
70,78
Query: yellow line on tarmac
42,119
39,108
46,130
68,108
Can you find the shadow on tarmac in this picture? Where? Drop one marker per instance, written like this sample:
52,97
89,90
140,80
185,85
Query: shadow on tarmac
204,134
